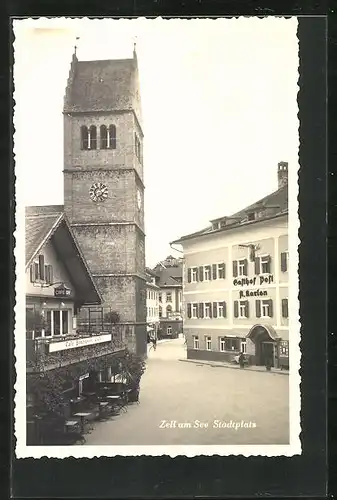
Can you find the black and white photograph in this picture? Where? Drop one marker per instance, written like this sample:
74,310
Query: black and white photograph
156,166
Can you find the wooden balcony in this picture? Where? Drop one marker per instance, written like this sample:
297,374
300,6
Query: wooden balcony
48,353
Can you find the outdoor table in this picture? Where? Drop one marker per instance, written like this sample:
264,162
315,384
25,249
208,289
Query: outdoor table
82,417
70,423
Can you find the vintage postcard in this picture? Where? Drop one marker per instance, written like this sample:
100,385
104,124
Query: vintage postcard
156,166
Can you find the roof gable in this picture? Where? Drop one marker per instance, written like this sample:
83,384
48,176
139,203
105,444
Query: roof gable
46,225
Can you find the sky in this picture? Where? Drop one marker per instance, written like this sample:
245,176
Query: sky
219,105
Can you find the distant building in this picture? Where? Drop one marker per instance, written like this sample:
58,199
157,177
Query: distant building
169,280
152,304
236,283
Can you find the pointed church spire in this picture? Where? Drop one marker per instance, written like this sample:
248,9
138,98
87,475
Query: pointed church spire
75,49
134,48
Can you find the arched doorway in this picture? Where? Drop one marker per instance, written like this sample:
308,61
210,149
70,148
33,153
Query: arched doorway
265,339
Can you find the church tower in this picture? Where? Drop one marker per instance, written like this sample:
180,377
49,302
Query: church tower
103,183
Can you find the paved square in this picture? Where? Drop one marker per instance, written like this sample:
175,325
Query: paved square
187,403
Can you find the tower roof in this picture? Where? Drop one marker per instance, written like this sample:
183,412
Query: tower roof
103,86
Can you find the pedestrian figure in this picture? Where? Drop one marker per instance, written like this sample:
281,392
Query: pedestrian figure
154,343
242,360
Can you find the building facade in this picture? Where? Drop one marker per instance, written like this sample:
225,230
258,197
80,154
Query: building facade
152,304
104,186
61,356
235,284
169,280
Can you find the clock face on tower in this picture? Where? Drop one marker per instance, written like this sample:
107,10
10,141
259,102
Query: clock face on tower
98,192
139,198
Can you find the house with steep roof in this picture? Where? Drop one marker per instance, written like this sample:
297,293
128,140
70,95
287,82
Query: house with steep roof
235,283
169,280
58,280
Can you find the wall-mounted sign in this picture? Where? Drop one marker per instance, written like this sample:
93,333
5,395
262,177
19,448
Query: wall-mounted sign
72,344
62,291
257,280
252,293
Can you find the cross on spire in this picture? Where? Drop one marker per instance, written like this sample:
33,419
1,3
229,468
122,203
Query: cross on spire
75,46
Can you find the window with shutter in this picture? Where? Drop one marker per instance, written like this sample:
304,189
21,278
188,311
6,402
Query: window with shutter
32,274
257,265
245,267
201,273
284,266
189,310
214,271
236,309
265,266
258,308
235,268
41,267
247,309
51,278
222,270
210,309
285,308
224,309
215,309
197,274
270,308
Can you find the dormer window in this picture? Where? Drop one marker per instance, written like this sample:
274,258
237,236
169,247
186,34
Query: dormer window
251,216
215,225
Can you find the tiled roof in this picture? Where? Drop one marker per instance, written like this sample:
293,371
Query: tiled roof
277,199
101,86
272,205
170,276
40,221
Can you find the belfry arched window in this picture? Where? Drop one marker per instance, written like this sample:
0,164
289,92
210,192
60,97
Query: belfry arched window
84,137
88,137
108,137
168,310
104,137
92,139
112,137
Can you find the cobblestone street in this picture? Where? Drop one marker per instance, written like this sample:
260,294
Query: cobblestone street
185,403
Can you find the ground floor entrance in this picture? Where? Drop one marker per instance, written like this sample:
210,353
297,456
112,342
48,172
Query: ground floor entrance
265,342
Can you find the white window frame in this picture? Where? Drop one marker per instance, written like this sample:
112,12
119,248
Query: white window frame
44,314
263,256
241,264
194,272
207,269
169,330
220,269
220,310
243,346
196,344
169,297
194,310
208,343
265,306
207,307
222,344
242,304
